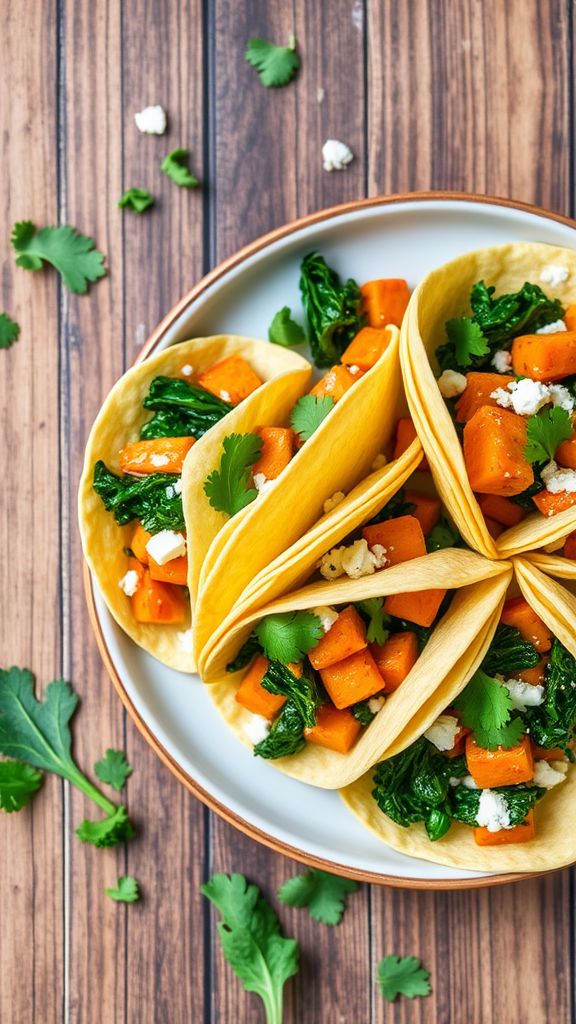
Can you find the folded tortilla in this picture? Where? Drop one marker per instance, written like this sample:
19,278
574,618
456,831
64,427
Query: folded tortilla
443,294
452,654
118,423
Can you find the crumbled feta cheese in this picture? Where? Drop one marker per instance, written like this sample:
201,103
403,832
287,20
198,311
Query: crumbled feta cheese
335,155
358,560
379,461
553,328
165,546
151,120
524,396
187,370
177,485
326,615
502,360
158,460
354,370
561,396
330,565
170,492
558,480
376,704
379,553
256,728
225,396
554,275
452,383
261,483
493,811
129,582
547,775
467,781
442,733
185,640
524,695
332,502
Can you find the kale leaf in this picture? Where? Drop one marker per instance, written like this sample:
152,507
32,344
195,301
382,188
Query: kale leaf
143,498
301,691
332,309
553,723
286,737
465,803
443,535
362,712
393,509
413,786
184,409
250,648
509,652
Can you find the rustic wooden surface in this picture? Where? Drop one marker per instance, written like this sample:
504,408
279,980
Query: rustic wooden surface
429,94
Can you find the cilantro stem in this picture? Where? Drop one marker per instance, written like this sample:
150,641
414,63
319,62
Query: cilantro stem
90,790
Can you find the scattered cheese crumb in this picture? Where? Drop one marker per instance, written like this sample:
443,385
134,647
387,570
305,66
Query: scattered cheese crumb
525,396
129,582
524,695
561,396
376,704
379,554
151,120
547,775
452,383
262,483
493,811
467,781
558,480
326,615
354,370
554,275
442,733
354,561
177,485
379,461
159,460
256,728
332,502
335,155
185,640
330,565
225,396
170,492
165,546
554,328
187,370
502,360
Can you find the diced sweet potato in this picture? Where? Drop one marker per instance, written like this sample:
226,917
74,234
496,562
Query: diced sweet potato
569,549
158,602
138,543
352,679
174,571
518,613
494,443
252,695
405,434
426,509
385,301
500,767
548,753
479,387
518,834
402,537
570,317
500,509
566,453
232,379
535,676
335,383
545,357
551,504
396,658
420,607
366,348
335,728
160,455
277,450
345,637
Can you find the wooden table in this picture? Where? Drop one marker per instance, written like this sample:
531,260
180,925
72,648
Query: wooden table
429,94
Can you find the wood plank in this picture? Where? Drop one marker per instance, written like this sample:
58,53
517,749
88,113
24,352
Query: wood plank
31,893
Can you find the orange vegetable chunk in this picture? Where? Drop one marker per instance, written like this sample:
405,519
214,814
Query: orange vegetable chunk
277,450
566,453
160,455
427,509
405,434
569,549
420,607
335,383
479,387
140,538
551,504
158,602
535,676
494,528
545,357
494,443
517,612
335,728
352,679
174,571
570,317
548,753
385,301
232,379
252,695
345,637
500,767
518,834
500,509
396,658
366,348
402,537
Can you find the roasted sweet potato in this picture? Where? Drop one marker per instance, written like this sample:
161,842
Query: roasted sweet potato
545,357
366,348
385,301
252,695
494,443
518,613
174,571
346,637
500,509
335,728
160,455
566,453
551,504
405,434
420,607
158,602
396,658
335,383
477,393
277,450
232,379
138,543
569,549
402,537
535,676
426,510
519,834
500,767
570,317
352,679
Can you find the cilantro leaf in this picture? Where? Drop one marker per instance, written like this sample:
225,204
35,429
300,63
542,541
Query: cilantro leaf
288,636
467,338
9,331
276,65
125,890
136,199
373,607
175,165
18,783
546,431
116,828
324,894
284,330
113,769
73,255
485,705
227,488
308,413
402,976
252,942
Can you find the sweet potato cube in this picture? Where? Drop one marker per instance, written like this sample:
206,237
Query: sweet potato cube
174,571
501,509
158,602
252,695
335,383
420,607
426,510
345,637
335,728
479,387
277,450
396,658
569,549
551,504
366,348
566,453
405,434
570,317
352,679
385,301
500,767
535,676
494,443
402,537
160,455
138,543
518,613
232,379
545,357
518,834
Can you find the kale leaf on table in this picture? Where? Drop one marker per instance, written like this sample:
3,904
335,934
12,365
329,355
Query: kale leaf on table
332,309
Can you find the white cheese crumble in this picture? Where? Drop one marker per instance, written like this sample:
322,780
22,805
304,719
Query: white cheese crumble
379,461
151,120
547,775
557,480
451,383
355,561
165,546
493,811
262,483
185,640
159,460
332,502
335,155
554,328
187,370
177,485
256,728
502,360
379,554
554,275
524,396
524,695
129,582
225,396
561,396
326,615
376,704
442,733
467,781
170,492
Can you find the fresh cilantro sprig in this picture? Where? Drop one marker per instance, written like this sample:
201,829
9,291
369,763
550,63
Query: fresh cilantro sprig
403,976
322,893
485,706
546,431
73,255
378,619
175,166
288,636
228,488
276,65
251,939
467,338
125,891
284,330
9,331
113,769
18,783
136,199
308,414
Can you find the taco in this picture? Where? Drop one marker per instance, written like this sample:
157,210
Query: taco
490,783
322,681
136,536
488,353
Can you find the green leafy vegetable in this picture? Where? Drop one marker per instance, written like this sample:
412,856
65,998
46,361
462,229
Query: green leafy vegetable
136,199
38,733
443,535
299,689
362,712
465,803
403,976
332,309
252,942
509,652
228,488
143,498
113,769
546,431
393,509
18,783
9,331
308,414
286,737
246,654
486,705
378,620
175,165
125,890
276,65
284,330
288,636
553,723
467,340
73,255
324,894
413,786
181,409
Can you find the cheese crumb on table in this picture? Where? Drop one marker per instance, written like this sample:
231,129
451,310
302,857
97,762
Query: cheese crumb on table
335,155
165,546
151,120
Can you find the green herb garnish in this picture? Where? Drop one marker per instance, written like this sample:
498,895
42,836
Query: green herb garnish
113,769
125,890
403,976
308,413
175,166
9,331
228,488
322,893
546,431
288,636
276,65
73,255
136,199
284,330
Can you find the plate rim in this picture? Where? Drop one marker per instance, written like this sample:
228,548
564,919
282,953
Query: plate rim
157,335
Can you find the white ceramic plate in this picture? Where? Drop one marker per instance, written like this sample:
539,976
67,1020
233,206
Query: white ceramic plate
398,237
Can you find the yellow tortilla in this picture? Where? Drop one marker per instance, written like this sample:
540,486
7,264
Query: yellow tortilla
443,294
118,423
451,656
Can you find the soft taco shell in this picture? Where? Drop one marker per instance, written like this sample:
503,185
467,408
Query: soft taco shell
443,294
119,422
